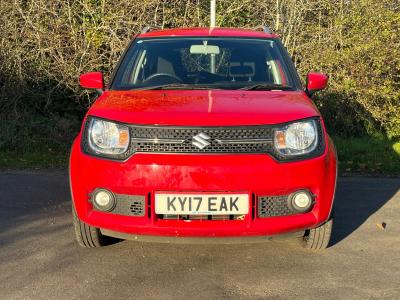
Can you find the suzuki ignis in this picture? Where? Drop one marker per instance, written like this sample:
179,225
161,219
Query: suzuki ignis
203,135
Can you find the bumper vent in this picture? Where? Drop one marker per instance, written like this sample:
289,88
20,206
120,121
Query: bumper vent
129,205
202,217
273,206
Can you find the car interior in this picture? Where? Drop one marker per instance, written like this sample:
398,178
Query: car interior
159,65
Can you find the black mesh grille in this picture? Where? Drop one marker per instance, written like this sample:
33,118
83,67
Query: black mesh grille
215,134
273,206
202,217
129,205
249,132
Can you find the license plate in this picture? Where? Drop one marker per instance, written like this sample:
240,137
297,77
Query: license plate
201,204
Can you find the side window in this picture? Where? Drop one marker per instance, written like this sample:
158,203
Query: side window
275,70
134,70
139,72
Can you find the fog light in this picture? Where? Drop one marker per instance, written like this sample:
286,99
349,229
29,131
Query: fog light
103,200
301,201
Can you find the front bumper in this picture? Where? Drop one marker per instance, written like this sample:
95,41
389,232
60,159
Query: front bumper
258,174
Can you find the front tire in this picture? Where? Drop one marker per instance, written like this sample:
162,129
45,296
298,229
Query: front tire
88,236
319,238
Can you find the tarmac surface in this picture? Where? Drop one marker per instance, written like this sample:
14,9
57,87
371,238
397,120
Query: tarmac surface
39,258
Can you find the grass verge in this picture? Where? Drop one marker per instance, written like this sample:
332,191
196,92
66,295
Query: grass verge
33,160
368,155
365,156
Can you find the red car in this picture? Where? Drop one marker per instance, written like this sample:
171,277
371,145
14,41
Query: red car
203,135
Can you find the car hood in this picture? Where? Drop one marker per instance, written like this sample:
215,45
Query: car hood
203,107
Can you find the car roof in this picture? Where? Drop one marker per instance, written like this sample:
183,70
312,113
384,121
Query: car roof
206,31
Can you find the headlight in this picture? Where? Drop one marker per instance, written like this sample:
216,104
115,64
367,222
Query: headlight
296,138
105,137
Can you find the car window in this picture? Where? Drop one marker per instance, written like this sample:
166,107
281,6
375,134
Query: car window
216,62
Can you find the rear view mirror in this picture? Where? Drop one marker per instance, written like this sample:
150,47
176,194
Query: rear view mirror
204,49
93,80
316,82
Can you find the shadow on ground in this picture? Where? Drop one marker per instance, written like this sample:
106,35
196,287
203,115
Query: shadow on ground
40,259
356,200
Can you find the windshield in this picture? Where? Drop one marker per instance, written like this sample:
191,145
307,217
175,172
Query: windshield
204,62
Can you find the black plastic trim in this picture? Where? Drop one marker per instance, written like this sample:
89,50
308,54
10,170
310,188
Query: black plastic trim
124,205
199,240
269,206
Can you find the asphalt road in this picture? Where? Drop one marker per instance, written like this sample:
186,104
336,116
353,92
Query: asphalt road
39,258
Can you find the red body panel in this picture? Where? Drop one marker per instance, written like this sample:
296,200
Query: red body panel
143,174
256,174
92,80
316,81
204,108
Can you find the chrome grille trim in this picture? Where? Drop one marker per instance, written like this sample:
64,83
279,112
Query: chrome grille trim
157,140
244,141
219,141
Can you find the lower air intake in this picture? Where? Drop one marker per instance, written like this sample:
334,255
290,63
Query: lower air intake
202,217
273,206
129,205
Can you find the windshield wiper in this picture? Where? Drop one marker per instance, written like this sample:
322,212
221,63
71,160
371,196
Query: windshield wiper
176,86
266,87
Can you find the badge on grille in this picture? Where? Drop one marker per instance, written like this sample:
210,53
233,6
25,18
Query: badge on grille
201,140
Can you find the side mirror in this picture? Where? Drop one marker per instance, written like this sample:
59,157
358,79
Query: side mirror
316,82
92,80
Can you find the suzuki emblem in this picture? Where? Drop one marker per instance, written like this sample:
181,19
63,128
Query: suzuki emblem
201,140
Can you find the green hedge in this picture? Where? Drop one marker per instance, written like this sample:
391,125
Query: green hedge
45,45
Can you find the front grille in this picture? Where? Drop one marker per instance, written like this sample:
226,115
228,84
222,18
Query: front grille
202,217
212,139
273,206
129,205
251,139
